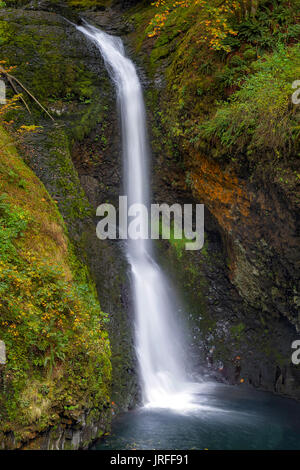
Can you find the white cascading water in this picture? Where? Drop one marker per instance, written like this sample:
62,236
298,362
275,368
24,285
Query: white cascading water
158,345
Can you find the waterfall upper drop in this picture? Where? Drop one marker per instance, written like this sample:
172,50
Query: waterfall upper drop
158,345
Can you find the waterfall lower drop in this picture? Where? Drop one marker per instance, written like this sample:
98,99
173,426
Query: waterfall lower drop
161,361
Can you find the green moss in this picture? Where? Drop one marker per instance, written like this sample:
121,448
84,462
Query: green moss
6,32
70,195
198,78
87,4
178,244
34,46
58,355
237,330
79,4
242,125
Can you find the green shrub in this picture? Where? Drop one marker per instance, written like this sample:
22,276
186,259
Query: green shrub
250,53
57,346
260,116
236,61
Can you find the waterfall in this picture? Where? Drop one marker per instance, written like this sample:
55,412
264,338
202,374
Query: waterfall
158,345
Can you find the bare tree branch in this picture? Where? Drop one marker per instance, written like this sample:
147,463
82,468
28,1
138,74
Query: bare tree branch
11,78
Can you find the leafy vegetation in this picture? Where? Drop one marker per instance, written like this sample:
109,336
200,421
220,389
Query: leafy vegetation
213,21
260,116
54,330
231,100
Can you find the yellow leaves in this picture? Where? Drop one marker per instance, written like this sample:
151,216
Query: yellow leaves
213,28
31,128
12,329
9,105
159,19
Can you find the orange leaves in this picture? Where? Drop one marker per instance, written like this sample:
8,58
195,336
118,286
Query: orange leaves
4,69
213,21
220,190
216,28
159,20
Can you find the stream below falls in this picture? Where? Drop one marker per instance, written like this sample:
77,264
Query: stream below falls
224,418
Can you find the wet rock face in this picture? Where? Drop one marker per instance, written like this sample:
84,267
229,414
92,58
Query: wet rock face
259,226
126,3
229,340
239,292
74,434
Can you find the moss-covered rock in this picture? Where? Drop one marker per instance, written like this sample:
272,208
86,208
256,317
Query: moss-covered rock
58,356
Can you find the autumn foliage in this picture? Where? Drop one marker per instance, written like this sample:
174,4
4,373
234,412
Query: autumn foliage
12,104
214,21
